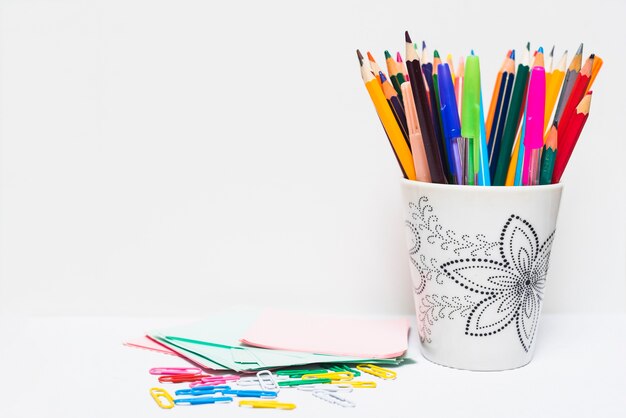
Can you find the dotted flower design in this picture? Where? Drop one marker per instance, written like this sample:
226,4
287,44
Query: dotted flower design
511,287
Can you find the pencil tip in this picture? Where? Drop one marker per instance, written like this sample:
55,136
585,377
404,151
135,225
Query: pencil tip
540,50
528,46
398,57
472,52
382,77
370,57
358,54
436,54
423,45
592,56
407,38
552,51
579,51
387,54
513,54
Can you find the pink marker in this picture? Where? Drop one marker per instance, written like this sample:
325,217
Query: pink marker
535,109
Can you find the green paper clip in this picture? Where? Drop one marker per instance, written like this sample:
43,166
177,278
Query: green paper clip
344,368
299,373
302,382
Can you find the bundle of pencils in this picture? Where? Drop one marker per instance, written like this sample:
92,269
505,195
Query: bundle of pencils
436,124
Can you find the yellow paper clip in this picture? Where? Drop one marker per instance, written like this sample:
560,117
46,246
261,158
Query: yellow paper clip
376,371
159,394
355,384
267,404
334,376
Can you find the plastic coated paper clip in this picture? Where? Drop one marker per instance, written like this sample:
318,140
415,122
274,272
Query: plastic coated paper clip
202,390
343,376
303,382
181,378
377,371
267,381
299,373
159,394
175,371
252,393
333,398
356,384
267,404
203,400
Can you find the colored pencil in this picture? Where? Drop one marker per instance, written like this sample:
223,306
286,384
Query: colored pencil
578,92
422,173
513,117
450,62
427,70
470,114
570,137
423,113
502,107
458,84
395,105
394,134
597,64
395,74
548,155
568,83
401,66
553,86
514,174
535,112
374,66
495,94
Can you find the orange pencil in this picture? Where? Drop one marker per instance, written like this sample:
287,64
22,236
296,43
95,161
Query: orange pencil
494,96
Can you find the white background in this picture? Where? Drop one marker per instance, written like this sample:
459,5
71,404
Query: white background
175,157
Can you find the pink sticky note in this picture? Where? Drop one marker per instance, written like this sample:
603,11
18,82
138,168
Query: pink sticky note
329,334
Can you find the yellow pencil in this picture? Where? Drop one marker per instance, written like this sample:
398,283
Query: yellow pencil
398,143
553,86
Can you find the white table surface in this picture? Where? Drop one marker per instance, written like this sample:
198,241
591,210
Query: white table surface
77,367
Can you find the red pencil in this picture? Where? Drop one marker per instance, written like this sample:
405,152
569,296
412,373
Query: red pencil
577,94
567,141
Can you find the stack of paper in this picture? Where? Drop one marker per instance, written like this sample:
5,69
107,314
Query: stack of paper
245,341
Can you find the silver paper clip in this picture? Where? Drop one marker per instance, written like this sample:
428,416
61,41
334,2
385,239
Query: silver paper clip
267,381
327,388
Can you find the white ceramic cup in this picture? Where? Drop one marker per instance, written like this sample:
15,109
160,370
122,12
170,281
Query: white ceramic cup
479,258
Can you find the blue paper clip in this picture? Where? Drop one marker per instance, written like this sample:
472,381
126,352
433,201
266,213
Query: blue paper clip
203,390
266,394
202,400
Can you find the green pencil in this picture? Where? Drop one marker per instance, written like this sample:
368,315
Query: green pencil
548,156
512,122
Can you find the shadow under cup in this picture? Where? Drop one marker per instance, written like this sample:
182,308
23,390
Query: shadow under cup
479,258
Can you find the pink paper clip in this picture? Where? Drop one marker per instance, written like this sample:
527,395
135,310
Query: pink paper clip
158,371
214,380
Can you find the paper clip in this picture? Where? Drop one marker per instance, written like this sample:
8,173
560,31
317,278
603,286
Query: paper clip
159,394
220,379
264,394
181,378
333,398
330,388
357,384
202,390
267,404
248,381
344,368
377,371
267,381
343,376
175,371
202,400
302,382
299,373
